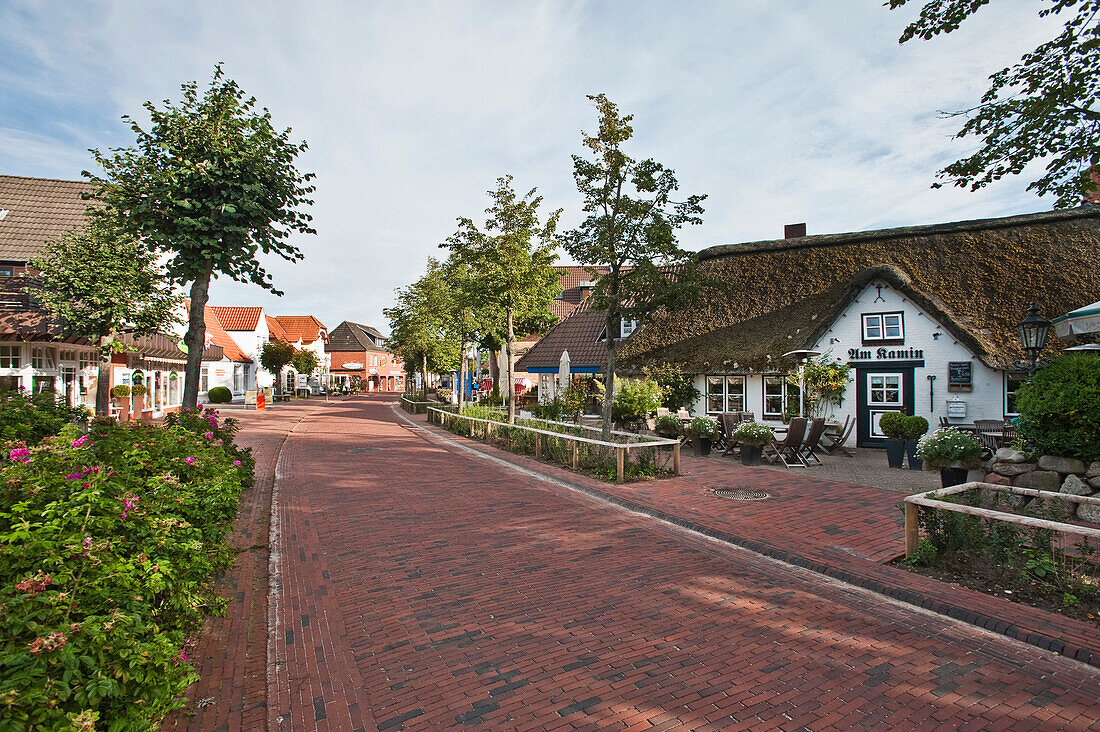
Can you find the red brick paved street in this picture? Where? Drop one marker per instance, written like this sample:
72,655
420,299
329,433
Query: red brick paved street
423,587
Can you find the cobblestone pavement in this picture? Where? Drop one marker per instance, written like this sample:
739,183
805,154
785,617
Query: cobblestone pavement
421,586
231,655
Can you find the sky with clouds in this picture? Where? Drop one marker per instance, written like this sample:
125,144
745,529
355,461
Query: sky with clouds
799,111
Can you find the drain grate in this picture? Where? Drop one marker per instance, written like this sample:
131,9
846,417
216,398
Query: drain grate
363,450
739,494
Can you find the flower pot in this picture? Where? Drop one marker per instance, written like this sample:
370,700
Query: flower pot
750,454
915,463
952,476
895,452
702,446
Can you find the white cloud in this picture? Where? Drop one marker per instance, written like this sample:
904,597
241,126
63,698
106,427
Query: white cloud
780,112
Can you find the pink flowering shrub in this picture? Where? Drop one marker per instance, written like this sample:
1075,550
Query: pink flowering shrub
107,546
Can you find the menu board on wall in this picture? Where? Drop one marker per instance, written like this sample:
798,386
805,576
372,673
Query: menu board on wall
960,375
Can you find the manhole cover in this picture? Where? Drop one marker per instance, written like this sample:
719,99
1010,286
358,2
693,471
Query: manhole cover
739,494
363,450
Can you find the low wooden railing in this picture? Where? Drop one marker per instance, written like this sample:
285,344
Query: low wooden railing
928,499
622,451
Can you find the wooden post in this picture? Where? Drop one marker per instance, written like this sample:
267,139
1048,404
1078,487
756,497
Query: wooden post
676,459
576,456
538,446
620,460
488,430
912,529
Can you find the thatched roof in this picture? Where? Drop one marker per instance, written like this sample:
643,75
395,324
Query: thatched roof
976,277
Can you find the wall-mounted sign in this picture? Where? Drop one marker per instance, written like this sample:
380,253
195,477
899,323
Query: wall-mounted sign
884,354
960,375
353,365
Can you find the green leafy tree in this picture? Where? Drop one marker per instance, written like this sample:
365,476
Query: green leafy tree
510,264
630,227
1044,108
100,282
471,320
305,361
678,389
421,331
210,184
274,356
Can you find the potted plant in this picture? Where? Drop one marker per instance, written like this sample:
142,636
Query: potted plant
120,391
892,424
914,427
951,452
669,426
752,436
702,431
138,392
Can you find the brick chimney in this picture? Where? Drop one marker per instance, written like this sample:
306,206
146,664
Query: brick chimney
794,231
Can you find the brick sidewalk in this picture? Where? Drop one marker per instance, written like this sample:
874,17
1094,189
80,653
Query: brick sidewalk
424,587
844,531
231,653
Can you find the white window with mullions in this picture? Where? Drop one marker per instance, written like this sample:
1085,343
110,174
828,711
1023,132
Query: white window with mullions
1012,383
43,357
884,389
11,357
883,327
725,394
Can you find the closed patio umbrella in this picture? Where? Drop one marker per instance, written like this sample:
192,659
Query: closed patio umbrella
563,372
1077,322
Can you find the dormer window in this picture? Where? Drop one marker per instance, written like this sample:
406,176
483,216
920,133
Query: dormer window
626,327
883,328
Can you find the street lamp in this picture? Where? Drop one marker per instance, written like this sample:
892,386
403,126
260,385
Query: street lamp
1033,335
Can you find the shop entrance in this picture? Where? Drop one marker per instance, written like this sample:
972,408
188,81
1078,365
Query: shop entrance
880,389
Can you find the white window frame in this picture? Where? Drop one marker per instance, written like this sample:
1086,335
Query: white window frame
43,358
784,395
11,357
724,393
879,321
884,403
1010,394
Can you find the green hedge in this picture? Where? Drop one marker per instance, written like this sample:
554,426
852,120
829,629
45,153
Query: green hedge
107,545
1060,409
220,395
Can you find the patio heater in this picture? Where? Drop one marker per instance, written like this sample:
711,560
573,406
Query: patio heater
802,356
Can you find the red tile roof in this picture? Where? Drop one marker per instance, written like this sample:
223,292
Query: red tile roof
275,330
39,210
302,327
238,318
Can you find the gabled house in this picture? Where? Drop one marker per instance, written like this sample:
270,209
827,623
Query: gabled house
248,327
358,354
925,316
33,354
304,332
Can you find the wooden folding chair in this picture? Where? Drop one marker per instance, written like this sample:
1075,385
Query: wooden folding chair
813,440
835,443
729,422
787,449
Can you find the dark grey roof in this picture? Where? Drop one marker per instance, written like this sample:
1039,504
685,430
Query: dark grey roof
38,210
349,336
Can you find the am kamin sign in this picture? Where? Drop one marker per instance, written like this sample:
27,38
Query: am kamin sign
884,354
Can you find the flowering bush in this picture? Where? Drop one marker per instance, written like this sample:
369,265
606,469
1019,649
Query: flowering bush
107,543
703,427
753,433
947,446
30,418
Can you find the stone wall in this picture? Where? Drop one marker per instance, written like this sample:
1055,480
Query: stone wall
1054,474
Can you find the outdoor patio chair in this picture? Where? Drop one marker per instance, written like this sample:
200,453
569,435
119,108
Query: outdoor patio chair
662,411
832,443
990,433
1008,433
944,422
787,449
812,443
728,421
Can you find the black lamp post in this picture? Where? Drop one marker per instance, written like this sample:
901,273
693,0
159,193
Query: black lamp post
1033,335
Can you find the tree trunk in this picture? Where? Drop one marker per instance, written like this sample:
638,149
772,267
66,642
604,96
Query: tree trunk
510,354
103,380
494,369
196,336
424,374
609,374
462,376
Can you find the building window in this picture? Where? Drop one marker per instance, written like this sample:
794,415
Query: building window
11,357
881,327
290,380
173,388
43,357
6,271
779,395
204,379
626,327
1012,383
238,373
885,390
725,394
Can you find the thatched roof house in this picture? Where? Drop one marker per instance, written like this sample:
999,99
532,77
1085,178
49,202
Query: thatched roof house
976,278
